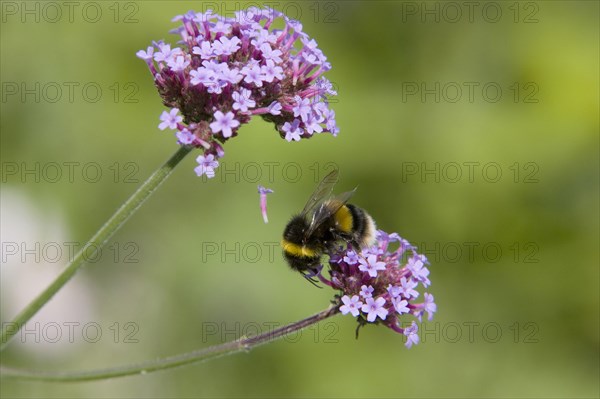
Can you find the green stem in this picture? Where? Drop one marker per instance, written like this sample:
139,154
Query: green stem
113,224
228,348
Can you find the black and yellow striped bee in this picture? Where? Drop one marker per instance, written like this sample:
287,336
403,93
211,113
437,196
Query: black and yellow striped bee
324,222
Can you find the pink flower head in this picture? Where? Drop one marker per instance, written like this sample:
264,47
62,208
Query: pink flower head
223,71
385,281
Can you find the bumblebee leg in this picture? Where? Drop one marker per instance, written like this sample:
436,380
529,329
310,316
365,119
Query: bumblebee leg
361,323
310,277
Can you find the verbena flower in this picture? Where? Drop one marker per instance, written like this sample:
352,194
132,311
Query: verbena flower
379,284
263,191
225,70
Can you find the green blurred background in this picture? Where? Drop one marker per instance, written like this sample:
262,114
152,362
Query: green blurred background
517,315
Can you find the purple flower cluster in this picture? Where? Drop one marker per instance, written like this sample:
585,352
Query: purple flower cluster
226,70
378,285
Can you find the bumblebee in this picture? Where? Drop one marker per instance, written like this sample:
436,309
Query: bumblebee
324,222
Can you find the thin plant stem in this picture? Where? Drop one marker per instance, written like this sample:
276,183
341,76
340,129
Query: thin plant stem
113,224
201,355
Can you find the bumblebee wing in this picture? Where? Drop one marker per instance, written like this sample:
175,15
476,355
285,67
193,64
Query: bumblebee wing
327,209
322,192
